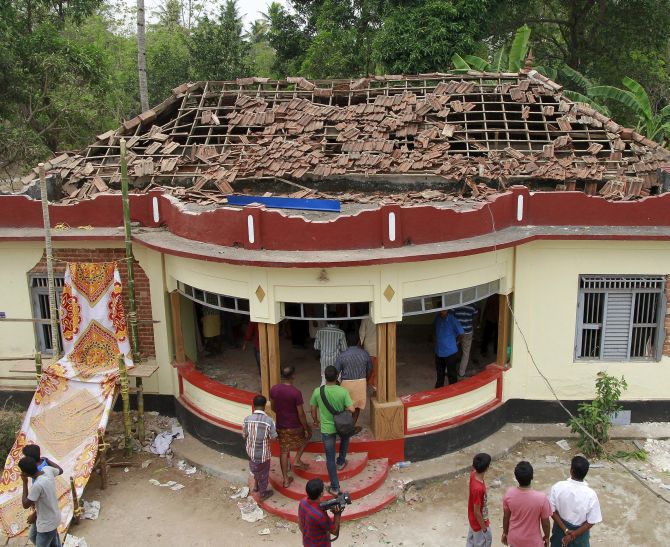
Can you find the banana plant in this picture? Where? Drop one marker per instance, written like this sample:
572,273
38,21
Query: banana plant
653,125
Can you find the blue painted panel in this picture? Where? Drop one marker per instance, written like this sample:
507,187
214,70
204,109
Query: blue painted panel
288,203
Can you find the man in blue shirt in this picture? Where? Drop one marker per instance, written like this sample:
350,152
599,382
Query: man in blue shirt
447,332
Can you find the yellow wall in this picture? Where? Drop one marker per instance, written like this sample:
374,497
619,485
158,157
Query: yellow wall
545,303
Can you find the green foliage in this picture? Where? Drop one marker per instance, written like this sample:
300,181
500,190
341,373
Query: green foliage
423,36
596,417
10,424
504,60
217,49
639,455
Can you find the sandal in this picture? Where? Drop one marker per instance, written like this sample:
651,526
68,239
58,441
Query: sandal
288,482
301,465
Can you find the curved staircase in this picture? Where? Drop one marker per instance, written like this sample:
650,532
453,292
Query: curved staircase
365,479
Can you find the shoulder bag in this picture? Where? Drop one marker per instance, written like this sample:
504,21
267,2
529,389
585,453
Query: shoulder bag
344,420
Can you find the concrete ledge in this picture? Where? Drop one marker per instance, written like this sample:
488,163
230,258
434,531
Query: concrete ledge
208,460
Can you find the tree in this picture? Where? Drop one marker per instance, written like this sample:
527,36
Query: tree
217,48
258,32
653,124
423,36
289,37
142,58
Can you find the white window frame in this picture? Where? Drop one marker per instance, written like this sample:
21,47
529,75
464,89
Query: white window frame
222,302
39,296
596,293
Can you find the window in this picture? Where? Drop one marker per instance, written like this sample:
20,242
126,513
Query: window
214,300
39,288
619,318
341,311
447,300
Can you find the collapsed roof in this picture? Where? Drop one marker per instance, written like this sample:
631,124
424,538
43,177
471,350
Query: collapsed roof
482,131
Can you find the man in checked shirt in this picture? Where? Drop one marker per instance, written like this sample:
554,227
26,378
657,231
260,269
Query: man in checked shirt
258,430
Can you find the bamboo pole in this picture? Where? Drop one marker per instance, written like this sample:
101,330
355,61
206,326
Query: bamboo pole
132,315
125,399
38,366
53,312
77,509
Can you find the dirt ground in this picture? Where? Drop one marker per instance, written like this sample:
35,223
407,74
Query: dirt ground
136,512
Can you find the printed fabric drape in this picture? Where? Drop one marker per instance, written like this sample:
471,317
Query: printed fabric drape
74,396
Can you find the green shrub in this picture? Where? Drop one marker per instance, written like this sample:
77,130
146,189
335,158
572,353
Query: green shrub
596,417
10,424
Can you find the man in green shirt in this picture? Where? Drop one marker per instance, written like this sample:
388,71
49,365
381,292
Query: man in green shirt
339,400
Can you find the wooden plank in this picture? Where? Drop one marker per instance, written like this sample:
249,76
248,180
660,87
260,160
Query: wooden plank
265,369
381,362
177,333
274,357
391,369
503,329
142,371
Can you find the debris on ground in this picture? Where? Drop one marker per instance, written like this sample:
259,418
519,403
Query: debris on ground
496,483
565,445
658,454
250,511
551,459
187,469
91,510
264,532
240,493
172,485
146,463
411,495
161,444
74,541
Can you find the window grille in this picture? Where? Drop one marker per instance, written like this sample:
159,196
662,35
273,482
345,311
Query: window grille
619,318
335,312
453,299
39,289
213,300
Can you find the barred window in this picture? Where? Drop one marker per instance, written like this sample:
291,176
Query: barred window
620,318
39,290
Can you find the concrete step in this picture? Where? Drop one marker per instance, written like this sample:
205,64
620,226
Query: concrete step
369,479
356,462
287,508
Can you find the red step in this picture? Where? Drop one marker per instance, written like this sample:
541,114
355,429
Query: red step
356,462
287,508
368,480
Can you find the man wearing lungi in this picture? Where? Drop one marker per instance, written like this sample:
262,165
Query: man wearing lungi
292,428
354,367
258,430
576,507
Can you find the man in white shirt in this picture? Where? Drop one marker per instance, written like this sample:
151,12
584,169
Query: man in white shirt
575,507
42,496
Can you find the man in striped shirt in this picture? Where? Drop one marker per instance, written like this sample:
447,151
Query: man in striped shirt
315,524
330,341
258,430
466,317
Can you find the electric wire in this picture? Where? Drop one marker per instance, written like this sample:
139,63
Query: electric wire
609,456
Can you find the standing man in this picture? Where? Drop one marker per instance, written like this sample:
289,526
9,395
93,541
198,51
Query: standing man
258,430
42,497
339,400
368,336
466,316
292,429
524,511
354,367
479,532
330,341
447,332
315,524
576,507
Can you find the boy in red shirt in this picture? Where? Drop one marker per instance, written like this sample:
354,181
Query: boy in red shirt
479,533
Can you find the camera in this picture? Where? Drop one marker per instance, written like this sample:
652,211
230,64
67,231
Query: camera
340,502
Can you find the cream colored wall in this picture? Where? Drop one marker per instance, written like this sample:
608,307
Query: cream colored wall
545,304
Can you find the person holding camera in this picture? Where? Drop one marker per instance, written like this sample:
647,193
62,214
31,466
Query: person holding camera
315,524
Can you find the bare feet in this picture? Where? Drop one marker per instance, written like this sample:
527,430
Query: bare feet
300,465
287,482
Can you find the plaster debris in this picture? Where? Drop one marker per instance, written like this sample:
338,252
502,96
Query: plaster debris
91,510
264,532
177,487
146,463
187,469
658,454
551,459
565,445
74,541
496,483
250,511
241,493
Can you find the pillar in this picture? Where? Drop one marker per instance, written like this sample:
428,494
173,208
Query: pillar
503,329
268,334
387,412
177,333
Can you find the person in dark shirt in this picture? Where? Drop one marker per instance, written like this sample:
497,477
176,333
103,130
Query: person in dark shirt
354,367
315,524
292,428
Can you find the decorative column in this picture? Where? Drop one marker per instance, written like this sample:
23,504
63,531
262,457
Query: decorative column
177,333
268,334
387,412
